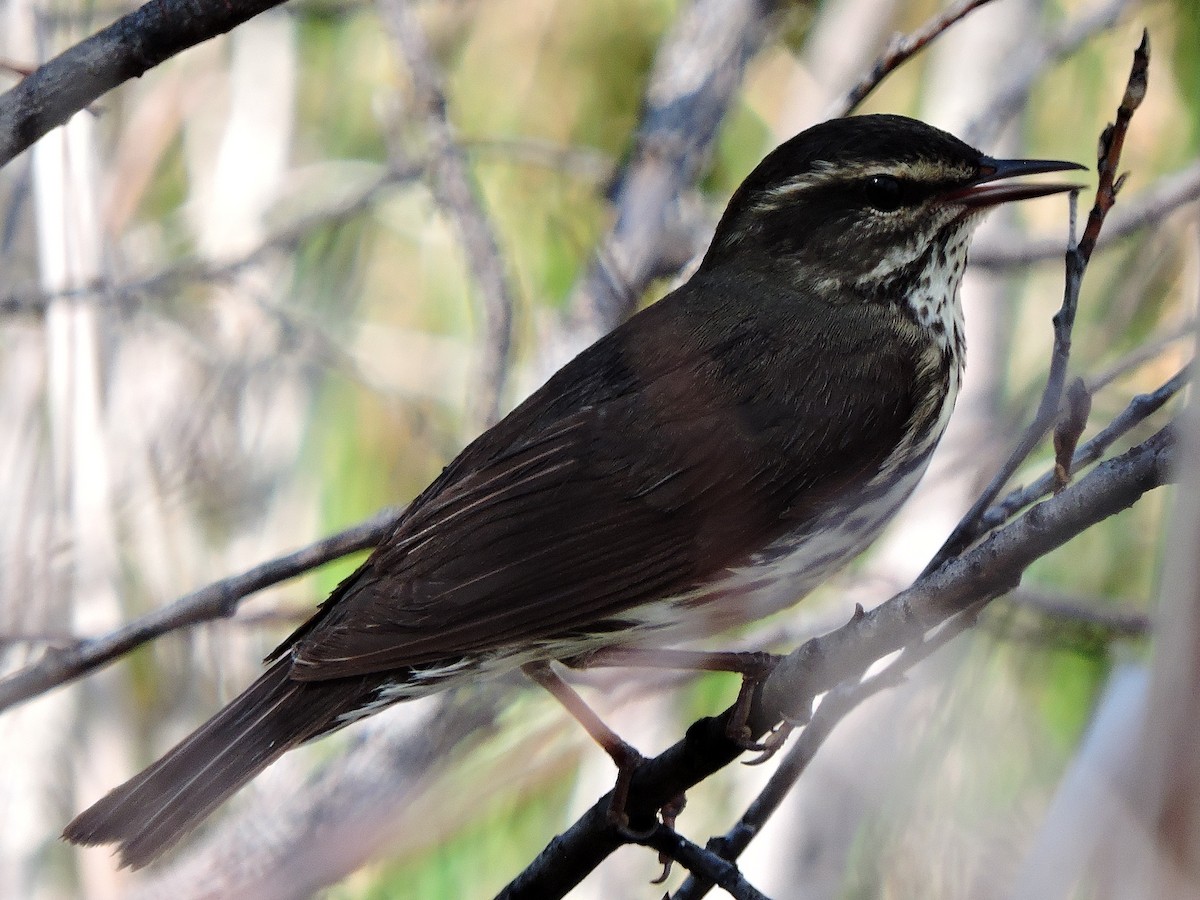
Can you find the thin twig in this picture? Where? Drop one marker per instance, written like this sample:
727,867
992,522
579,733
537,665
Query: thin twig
1150,207
1139,409
1097,615
455,191
18,69
1152,349
1036,56
585,163
1078,255
900,49
702,863
696,73
170,279
215,601
126,49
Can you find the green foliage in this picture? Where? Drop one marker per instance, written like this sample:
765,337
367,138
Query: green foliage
1185,65
346,58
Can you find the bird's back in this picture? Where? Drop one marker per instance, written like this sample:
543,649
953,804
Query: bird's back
698,446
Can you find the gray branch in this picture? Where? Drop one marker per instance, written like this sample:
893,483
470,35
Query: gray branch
220,599
455,192
132,45
696,74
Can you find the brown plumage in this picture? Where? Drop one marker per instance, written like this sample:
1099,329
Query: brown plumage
706,463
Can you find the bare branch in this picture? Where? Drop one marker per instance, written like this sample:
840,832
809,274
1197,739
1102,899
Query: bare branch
702,862
215,601
126,49
698,68
1152,349
456,193
1037,55
170,279
1109,157
1148,208
586,163
1095,614
900,49
835,706
1139,409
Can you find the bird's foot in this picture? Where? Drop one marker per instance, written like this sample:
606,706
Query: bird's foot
754,669
668,814
628,760
772,743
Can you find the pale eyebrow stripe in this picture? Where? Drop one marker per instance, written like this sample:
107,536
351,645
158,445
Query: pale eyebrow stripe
823,173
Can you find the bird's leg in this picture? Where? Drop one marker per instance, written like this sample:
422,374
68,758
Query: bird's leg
623,754
754,667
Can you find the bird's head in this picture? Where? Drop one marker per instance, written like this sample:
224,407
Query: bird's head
866,199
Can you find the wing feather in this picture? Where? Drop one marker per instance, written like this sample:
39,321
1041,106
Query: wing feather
606,489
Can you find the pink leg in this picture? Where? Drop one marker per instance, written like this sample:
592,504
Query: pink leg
752,666
625,756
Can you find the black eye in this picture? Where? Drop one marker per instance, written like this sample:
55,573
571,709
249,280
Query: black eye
884,192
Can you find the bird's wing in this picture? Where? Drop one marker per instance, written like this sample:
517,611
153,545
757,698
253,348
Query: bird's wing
642,469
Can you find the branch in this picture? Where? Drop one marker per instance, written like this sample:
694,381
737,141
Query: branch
126,49
1148,208
1111,142
1037,55
835,706
984,572
900,49
696,72
172,278
456,194
1138,410
1151,350
218,600
700,861
1095,615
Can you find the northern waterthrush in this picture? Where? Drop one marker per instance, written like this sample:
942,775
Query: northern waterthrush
706,463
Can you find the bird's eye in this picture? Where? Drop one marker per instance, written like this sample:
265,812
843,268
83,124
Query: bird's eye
884,192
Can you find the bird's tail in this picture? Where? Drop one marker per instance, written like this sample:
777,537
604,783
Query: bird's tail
154,809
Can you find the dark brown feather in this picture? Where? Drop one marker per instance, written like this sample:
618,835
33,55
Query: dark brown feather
738,422
155,808
606,490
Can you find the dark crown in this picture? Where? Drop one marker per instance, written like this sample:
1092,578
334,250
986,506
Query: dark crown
844,184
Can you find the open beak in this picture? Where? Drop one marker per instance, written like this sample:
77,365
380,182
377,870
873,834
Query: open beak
992,188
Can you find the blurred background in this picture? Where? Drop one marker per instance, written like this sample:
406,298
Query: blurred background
245,304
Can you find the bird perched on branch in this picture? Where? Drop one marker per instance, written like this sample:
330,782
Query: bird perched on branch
706,463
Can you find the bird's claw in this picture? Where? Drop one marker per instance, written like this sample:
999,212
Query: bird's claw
773,742
669,813
664,861
744,739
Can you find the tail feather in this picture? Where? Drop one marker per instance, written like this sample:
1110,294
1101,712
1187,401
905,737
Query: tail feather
154,809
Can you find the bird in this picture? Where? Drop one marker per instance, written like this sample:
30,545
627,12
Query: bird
706,463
